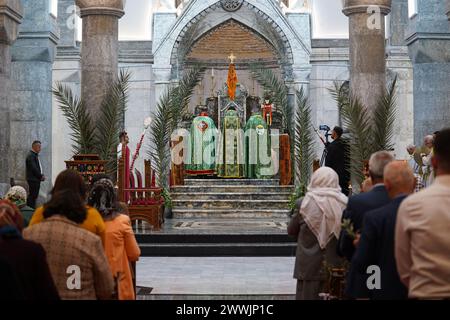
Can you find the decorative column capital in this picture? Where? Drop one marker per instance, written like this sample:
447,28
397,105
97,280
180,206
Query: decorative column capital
10,18
361,6
101,7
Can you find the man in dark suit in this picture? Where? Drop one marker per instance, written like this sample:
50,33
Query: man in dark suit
357,207
34,173
338,158
376,245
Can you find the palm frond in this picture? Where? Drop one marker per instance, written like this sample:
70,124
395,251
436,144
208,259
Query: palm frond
384,118
160,138
360,127
340,93
109,123
270,82
303,138
181,95
78,118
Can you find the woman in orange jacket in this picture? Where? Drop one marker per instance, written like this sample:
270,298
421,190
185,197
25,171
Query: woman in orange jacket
120,243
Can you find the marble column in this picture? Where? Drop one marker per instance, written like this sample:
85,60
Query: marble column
100,49
31,108
367,48
10,18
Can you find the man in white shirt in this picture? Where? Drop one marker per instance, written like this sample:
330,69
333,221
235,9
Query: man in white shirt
422,238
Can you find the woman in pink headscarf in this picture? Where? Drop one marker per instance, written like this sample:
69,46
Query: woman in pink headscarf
316,225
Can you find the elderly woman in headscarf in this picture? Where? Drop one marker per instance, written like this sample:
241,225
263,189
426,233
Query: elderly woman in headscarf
18,196
121,247
317,225
26,258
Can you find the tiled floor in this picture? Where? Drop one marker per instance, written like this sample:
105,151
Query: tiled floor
217,276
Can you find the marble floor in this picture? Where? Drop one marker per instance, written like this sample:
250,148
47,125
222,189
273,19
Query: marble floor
216,226
217,276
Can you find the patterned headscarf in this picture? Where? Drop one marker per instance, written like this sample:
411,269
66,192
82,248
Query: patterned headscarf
17,195
10,215
103,198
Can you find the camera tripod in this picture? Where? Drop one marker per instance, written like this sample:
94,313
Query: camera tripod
326,143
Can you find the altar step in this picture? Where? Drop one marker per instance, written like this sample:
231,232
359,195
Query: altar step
216,245
231,198
232,182
238,189
230,213
201,196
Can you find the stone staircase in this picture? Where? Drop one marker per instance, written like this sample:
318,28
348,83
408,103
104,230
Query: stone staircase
231,198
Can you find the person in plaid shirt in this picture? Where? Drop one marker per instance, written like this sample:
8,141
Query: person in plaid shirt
76,257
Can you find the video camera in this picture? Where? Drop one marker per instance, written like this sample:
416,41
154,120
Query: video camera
324,127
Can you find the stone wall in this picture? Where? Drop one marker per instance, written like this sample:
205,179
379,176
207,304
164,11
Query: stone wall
429,48
31,114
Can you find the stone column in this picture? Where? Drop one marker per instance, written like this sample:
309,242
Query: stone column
10,18
428,43
162,80
67,70
399,22
367,48
31,109
100,49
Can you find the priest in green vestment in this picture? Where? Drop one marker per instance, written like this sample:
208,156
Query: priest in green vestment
257,148
230,153
201,152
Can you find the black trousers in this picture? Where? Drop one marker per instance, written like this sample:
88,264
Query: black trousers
34,187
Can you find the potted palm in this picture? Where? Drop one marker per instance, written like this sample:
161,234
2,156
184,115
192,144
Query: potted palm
168,205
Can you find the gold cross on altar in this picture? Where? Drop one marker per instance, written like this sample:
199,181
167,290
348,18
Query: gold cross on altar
232,57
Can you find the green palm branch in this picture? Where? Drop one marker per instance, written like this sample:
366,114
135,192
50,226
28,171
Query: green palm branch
384,118
270,82
160,139
368,132
109,123
181,95
78,118
340,94
360,127
167,117
304,141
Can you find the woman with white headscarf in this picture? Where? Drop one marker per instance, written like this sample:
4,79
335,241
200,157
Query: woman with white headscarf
317,225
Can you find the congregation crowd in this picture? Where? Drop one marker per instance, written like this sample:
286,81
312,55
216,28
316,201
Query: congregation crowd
81,245
78,246
392,238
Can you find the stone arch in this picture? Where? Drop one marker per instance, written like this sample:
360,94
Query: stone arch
265,19
268,30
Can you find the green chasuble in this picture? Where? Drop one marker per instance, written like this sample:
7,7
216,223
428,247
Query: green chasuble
201,152
230,153
257,148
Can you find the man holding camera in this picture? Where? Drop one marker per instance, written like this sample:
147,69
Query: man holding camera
337,158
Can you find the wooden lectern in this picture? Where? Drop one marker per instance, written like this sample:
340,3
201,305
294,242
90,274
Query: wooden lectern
87,165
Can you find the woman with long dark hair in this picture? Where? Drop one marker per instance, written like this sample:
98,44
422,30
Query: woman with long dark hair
71,181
